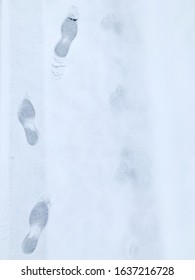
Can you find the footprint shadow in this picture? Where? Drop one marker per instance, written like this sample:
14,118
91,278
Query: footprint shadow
111,23
26,116
69,30
117,99
38,219
126,171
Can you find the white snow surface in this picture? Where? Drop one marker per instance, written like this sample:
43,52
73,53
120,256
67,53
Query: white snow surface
115,156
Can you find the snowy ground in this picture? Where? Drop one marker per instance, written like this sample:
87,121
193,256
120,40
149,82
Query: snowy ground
103,136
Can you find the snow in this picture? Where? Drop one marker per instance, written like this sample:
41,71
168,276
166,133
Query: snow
115,154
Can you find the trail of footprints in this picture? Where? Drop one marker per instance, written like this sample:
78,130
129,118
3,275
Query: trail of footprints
39,214
26,115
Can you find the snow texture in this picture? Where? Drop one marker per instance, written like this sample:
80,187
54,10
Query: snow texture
97,129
